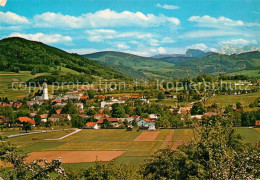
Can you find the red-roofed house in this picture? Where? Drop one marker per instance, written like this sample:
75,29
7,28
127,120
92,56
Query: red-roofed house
257,123
91,125
113,121
26,119
43,118
84,97
58,111
98,116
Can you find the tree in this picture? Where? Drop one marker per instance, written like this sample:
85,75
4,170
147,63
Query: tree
134,123
26,126
118,110
38,169
91,94
216,152
37,120
197,108
239,105
160,96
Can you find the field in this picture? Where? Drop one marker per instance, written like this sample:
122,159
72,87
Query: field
224,100
6,80
106,144
253,73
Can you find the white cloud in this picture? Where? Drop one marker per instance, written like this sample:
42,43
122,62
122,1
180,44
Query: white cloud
167,6
220,22
161,50
99,35
122,46
240,41
103,18
12,18
45,38
212,33
200,46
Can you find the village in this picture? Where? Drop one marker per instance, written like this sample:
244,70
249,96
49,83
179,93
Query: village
86,109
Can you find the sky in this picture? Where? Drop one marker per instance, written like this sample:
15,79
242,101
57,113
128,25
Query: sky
142,27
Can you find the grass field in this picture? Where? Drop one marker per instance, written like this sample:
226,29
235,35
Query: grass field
6,80
254,73
224,100
113,140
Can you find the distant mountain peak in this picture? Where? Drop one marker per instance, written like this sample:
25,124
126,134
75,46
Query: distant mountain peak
232,49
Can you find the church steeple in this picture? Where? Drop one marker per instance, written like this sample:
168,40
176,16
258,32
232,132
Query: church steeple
45,95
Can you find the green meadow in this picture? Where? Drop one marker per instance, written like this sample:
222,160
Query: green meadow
114,140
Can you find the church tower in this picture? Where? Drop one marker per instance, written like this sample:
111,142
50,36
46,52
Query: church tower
45,95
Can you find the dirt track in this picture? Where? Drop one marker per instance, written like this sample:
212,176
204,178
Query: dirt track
147,136
76,156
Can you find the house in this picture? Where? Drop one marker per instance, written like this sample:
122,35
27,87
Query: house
43,118
79,106
98,116
169,96
84,97
26,119
153,117
57,117
105,104
84,116
198,117
60,105
92,125
257,123
58,111
113,121
146,123
210,114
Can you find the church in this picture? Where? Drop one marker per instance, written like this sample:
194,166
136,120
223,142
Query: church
43,94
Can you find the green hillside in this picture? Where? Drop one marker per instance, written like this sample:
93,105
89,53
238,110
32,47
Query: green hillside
149,66
21,54
176,67
222,63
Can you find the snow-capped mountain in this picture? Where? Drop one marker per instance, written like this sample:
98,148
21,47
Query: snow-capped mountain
231,49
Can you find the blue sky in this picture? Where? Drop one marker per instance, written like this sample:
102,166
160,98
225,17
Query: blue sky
142,27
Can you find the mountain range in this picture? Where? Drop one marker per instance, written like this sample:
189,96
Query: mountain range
21,54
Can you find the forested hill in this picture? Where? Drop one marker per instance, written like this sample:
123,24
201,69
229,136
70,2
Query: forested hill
21,54
223,63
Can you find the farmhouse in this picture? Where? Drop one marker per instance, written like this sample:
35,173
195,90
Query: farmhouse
43,118
57,117
91,125
146,123
26,119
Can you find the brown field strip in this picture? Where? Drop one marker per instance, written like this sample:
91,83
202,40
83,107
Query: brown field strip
178,143
72,156
147,136
168,138
76,156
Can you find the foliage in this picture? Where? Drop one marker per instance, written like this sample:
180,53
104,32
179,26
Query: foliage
215,153
29,55
118,110
38,169
26,126
197,108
